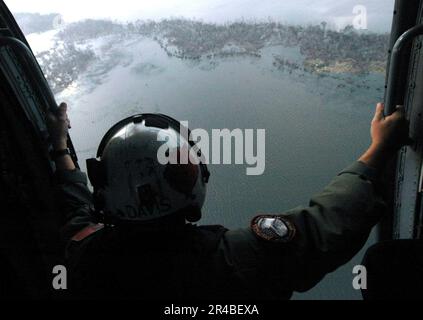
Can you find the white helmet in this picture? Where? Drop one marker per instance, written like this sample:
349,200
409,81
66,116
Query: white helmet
130,183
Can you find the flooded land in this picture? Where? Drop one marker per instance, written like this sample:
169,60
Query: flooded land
321,50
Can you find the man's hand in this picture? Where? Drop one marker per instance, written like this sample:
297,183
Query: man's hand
388,134
58,125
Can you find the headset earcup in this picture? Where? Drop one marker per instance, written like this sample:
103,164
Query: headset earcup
193,214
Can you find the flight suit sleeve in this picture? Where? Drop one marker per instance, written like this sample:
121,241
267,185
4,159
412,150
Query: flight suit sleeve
316,239
76,201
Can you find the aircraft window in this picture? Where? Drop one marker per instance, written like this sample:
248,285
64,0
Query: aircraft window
308,72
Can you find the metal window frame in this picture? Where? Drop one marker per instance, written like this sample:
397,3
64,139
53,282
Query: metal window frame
403,177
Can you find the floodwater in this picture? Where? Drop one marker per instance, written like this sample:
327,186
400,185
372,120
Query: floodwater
315,125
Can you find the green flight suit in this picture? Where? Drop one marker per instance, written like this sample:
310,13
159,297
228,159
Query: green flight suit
212,262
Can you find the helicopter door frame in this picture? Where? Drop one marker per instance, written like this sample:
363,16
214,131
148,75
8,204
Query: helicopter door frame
27,168
409,201
405,188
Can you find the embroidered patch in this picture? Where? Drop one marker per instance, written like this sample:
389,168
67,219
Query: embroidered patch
273,228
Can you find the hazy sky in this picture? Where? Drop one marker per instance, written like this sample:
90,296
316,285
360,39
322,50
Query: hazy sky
337,12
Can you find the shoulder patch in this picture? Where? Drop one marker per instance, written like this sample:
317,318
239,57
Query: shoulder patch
274,228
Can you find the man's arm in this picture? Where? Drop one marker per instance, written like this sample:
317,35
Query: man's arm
58,125
329,231
388,135
75,197
333,228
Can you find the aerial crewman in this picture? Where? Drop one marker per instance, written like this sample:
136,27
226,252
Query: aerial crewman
134,236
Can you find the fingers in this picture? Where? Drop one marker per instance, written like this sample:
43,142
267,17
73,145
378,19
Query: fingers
400,110
51,117
379,115
61,112
398,115
60,115
63,108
